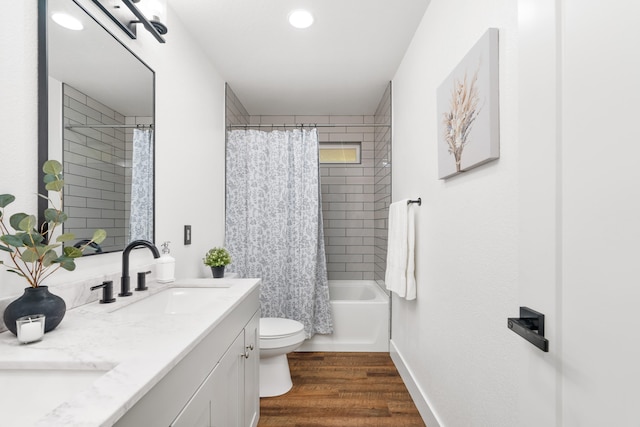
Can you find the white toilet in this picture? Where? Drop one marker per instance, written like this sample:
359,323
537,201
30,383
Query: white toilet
277,338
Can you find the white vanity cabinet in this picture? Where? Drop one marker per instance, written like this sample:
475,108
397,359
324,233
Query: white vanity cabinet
215,385
252,372
217,401
230,395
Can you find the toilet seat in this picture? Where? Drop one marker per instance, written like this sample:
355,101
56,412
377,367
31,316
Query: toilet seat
275,327
280,333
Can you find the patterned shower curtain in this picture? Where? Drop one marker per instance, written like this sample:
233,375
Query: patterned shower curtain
274,223
141,217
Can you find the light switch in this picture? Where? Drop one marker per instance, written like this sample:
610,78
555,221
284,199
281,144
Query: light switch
187,234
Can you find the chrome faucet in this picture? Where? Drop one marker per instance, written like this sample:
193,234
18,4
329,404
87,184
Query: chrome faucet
125,279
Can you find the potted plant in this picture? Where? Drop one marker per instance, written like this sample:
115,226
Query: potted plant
32,253
217,258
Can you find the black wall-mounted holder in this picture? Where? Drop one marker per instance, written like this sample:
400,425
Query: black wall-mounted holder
530,326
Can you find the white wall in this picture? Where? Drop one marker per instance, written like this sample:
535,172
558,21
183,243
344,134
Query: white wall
189,138
600,212
18,114
539,206
452,343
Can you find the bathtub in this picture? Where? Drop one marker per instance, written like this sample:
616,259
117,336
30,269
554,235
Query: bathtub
360,318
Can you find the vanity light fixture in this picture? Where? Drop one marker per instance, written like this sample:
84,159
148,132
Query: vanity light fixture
301,18
156,12
67,21
146,12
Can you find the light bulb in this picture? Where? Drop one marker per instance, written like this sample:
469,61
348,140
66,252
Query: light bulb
301,18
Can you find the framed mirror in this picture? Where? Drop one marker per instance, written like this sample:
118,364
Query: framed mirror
96,102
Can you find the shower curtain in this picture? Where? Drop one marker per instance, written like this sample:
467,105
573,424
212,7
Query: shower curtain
141,216
274,223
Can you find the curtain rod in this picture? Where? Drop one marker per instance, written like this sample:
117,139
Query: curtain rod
318,125
107,126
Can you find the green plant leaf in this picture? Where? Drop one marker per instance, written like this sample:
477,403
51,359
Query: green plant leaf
55,185
6,199
66,263
55,216
12,240
65,237
15,220
26,238
41,250
5,248
99,236
72,252
31,239
52,166
51,214
28,223
29,255
49,258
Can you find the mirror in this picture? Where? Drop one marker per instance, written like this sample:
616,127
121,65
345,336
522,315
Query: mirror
99,121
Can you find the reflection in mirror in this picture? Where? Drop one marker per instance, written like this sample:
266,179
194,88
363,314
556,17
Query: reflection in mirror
101,126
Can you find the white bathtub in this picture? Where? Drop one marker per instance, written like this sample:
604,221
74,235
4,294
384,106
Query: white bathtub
360,318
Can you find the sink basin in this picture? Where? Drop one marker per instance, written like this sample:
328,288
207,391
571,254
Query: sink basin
176,301
29,394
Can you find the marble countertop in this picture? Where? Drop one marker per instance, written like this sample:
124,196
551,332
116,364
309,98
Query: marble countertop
136,351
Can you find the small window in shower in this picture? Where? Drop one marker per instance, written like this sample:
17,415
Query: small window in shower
340,152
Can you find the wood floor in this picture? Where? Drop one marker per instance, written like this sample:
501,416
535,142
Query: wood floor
341,389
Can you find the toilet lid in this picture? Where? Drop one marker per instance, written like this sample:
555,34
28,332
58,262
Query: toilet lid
273,327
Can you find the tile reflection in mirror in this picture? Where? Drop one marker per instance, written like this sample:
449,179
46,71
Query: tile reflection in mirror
92,115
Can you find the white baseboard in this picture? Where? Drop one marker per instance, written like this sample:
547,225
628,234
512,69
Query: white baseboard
418,396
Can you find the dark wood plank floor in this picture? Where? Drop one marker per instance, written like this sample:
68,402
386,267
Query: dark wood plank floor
341,389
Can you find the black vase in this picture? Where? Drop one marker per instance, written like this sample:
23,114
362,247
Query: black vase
36,301
218,272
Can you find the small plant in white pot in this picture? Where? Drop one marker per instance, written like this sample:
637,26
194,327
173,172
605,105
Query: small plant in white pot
217,259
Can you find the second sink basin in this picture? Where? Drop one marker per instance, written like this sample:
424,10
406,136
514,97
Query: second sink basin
175,301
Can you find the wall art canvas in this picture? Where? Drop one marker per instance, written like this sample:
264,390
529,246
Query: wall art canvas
468,110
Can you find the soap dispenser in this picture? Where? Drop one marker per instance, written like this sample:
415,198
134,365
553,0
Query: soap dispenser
166,265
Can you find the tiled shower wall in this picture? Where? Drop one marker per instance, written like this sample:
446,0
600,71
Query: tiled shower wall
349,201
97,169
235,113
382,183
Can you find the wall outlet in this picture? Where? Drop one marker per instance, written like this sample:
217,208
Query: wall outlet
187,234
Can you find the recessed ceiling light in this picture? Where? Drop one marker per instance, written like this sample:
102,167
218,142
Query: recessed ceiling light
67,21
301,18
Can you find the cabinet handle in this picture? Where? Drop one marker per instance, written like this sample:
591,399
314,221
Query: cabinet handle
246,353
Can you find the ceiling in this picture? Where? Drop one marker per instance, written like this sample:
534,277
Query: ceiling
340,65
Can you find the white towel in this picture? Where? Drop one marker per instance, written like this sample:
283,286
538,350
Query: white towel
400,274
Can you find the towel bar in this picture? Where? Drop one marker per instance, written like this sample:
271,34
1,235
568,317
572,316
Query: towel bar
419,201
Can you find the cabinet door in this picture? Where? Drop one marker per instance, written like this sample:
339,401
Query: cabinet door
251,372
197,412
226,399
